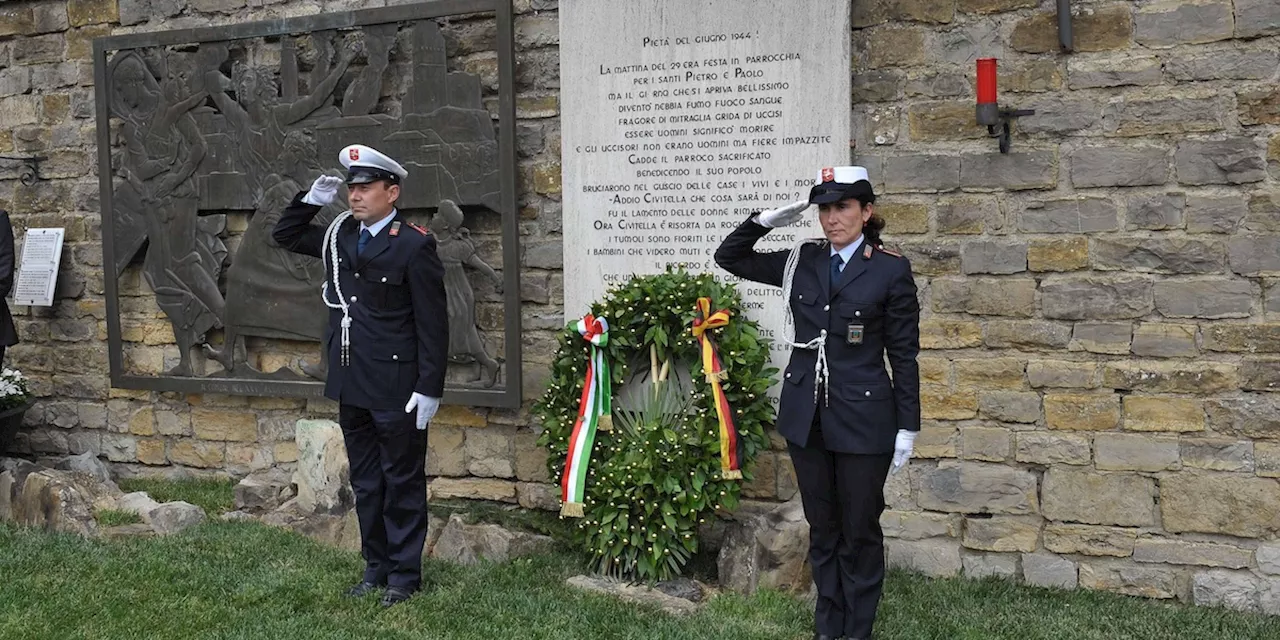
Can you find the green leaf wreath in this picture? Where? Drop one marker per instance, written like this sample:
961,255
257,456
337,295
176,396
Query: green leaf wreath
657,474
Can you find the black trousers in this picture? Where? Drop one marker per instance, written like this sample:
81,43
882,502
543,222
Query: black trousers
843,497
388,476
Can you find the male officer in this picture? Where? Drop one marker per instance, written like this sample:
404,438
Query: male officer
846,423
387,343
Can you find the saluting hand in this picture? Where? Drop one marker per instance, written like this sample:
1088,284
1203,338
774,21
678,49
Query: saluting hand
902,446
426,407
323,191
783,216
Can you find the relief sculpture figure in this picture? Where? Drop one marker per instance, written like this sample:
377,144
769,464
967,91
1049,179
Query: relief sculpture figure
456,252
163,149
271,291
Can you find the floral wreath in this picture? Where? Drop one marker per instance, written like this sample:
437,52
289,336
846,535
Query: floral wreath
641,478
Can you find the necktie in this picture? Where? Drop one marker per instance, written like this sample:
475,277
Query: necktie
365,237
836,263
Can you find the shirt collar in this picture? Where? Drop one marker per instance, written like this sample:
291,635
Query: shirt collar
847,253
377,226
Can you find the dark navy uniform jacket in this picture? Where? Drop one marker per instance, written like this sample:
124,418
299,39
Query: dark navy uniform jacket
877,291
399,331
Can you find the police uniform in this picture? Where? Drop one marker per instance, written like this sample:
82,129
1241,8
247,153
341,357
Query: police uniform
839,409
387,340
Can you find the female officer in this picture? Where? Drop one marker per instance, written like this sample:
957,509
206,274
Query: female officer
850,302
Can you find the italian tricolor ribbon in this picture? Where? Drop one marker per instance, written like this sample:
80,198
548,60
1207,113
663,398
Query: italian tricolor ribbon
703,321
594,412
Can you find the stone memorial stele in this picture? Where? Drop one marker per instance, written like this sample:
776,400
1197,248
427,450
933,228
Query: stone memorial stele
680,119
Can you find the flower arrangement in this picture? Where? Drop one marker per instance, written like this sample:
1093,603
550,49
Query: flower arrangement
14,391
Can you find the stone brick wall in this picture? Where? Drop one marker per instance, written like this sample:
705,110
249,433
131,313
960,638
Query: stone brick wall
1101,324
1101,311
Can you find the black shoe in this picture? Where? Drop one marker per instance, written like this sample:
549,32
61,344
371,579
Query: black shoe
823,636
363,588
394,596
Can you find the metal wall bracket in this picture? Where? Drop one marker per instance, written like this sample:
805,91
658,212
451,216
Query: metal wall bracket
30,171
1064,24
1006,115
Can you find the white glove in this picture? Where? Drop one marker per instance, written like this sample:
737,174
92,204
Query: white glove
902,446
323,191
783,216
426,407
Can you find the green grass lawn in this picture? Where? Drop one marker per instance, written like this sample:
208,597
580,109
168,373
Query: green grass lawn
246,580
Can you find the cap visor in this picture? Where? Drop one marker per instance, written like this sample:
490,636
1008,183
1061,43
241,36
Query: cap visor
825,195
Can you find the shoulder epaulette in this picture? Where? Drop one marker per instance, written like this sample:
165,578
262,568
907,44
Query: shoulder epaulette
419,229
892,253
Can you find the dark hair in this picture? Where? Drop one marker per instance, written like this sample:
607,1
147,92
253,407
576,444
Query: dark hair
875,224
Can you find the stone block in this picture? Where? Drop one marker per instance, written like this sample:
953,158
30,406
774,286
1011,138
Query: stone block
1172,22
993,6
1089,540
877,85
985,296
1038,447
1220,503
1195,553
1264,213
990,565
894,47
1229,161
975,487
922,173
1096,297
1236,590
1160,340
1260,374
1025,334
932,258
1058,254
1119,166
1159,113
990,373
1251,338
1212,299
1117,71
1259,106
931,83
949,334
1012,171
1130,579
446,451
1255,415
1256,18
1135,452
993,257
194,453
1155,376
941,403
1058,115
1157,255
965,215
1155,212
1162,413
1109,338
1268,558
1091,498
473,489
937,121
1099,28
1069,215
1223,65
936,558
1063,374
214,424
915,525
987,444
1002,533
1009,406
1048,570
907,217
1254,255
1029,77
489,453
